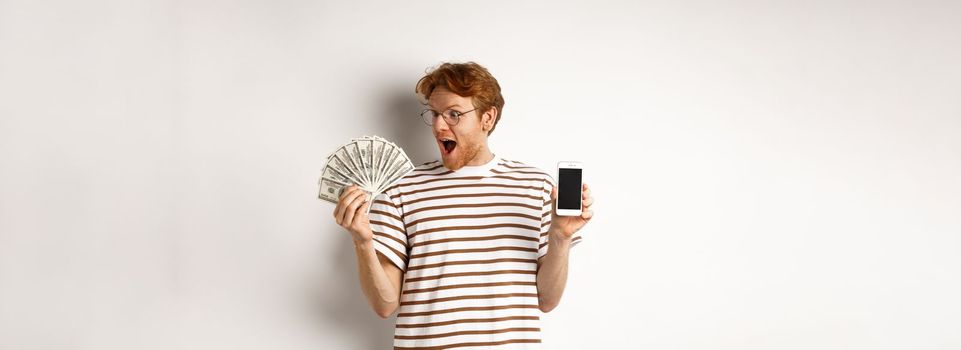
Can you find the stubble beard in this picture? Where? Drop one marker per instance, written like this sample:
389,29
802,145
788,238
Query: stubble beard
468,154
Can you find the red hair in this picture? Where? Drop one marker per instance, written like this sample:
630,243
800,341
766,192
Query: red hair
466,80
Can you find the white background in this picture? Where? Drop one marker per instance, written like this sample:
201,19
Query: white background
768,174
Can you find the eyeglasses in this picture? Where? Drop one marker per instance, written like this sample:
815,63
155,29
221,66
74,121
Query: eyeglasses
451,117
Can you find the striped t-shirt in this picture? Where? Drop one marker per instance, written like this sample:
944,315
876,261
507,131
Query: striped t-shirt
468,242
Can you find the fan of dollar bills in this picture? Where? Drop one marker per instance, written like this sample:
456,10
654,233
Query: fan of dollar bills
371,162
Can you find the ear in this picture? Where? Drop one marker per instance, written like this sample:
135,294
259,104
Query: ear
487,121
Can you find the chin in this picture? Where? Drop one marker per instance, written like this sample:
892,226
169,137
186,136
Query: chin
457,159
452,164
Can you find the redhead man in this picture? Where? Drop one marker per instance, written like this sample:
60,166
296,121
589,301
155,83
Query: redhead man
467,247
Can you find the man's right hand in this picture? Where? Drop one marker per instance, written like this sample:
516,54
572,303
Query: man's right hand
351,214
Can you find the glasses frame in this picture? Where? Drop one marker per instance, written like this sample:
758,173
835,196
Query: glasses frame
428,118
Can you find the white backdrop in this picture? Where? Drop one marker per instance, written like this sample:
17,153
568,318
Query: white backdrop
768,175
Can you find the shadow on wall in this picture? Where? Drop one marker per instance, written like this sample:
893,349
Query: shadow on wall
402,123
342,302
340,299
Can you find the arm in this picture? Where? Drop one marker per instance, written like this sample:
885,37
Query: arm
552,267
379,278
552,272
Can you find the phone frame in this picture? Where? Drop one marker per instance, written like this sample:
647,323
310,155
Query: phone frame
569,165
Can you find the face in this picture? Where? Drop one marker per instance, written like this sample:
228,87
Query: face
459,144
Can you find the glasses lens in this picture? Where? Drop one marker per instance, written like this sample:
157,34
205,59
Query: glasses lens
450,118
428,116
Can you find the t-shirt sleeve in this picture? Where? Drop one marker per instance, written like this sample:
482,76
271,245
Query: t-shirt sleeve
387,224
546,214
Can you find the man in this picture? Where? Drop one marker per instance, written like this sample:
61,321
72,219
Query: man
468,247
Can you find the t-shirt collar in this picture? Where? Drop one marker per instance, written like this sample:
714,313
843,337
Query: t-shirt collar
481,170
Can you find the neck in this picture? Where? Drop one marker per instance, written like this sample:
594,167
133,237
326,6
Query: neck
483,156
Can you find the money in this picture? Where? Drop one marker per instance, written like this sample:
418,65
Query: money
330,190
370,162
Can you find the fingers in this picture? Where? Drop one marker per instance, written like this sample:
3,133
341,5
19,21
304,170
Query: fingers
339,209
349,195
365,206
351,211
361,211
347,190
586,199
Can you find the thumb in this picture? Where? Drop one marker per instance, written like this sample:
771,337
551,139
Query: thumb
553,200
552,203
363,208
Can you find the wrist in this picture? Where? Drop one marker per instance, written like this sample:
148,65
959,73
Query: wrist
364,244
555,235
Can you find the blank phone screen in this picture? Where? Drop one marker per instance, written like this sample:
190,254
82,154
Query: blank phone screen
569,189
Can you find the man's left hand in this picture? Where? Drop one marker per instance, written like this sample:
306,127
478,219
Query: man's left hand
566,226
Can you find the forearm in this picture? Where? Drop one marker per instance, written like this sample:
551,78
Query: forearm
552,273
381,293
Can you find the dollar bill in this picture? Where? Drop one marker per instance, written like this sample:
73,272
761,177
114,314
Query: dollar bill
390,156
371,162
377,155
341,162
335,171
364,153
400,167
403,171
330,190
353,156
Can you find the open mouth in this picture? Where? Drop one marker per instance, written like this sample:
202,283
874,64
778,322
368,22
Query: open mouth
448,145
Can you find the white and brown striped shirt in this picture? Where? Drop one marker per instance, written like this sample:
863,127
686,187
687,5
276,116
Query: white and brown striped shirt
468,242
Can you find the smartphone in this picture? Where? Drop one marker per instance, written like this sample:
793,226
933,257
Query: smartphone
569,176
